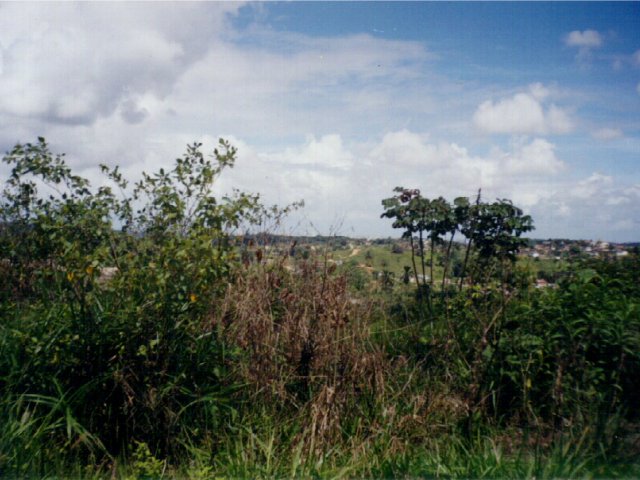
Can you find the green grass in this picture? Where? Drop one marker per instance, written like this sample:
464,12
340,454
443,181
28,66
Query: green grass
544,264
382,258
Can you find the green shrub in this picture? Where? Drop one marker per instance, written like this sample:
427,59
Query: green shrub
127,350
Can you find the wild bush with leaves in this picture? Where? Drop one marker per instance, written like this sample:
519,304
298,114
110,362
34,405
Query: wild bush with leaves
126,354
551,359
571,353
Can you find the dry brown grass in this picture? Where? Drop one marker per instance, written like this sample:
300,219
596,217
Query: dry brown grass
306,343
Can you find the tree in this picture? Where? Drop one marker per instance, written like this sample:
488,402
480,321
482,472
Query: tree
408,209
493,230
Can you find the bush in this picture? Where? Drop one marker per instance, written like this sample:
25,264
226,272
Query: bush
554,358
125,353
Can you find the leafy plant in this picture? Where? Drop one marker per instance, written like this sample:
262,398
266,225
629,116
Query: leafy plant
128,346
492,230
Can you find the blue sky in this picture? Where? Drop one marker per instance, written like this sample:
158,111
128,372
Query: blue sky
336,103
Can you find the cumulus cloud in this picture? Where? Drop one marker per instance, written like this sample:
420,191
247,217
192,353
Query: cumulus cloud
607,133
590,187
118,81
597,206
527,173
584,39
523,113
72,63
406,149
327,152
324,119
535,158
449,169
539,91
317,170
346,180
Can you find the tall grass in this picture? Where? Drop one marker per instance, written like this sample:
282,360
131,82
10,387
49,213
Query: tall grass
311,380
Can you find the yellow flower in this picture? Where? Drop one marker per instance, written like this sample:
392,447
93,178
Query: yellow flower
528,383
70,276
193,297
89,270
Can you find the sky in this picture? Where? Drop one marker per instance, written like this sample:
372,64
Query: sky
337,103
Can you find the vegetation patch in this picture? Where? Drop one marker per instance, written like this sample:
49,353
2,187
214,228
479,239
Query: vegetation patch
153,330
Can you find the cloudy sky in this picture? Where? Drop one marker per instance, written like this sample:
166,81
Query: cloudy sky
338,103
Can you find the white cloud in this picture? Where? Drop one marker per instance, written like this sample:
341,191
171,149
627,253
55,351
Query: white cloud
607,133
318,171
527,172
586,38
72,63
520,114
347,181
328,152
591,186
535,158
558,120
331,120
449,169
563,210
539,91
635,58
343,183
523,113
117,80
406,149
595,207
585,41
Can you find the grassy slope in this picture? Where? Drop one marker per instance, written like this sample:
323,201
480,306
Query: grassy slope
382,258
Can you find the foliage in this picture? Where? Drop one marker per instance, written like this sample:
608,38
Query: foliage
554,357
127,347
141,338
144,464
493,230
